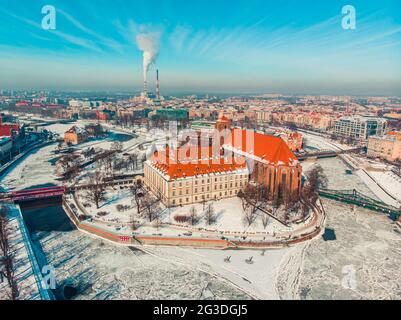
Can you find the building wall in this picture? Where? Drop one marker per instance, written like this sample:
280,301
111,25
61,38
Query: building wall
74,138
275,178
194,189
360,128
6,145
388,148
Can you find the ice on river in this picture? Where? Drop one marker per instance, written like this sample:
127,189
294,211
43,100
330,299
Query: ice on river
100,270
362,263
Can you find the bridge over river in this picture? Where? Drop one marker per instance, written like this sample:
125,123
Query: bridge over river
32,194
321,154
357,198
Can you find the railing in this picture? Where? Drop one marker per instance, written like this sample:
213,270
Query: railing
326,153
359,199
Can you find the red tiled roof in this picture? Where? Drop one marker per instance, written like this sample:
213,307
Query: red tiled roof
194,161
271,149
223,118
7,129
204,160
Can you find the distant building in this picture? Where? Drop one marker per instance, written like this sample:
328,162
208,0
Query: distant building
94,130
360,128
9,130
172,114
6,145
386,147
393,116
141,113
75,135
292,138
105,114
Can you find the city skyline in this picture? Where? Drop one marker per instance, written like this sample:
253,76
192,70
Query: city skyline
249,47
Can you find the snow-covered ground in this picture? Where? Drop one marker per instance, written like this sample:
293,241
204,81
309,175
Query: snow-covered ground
377,189
388,181
362,263
228,214
26,282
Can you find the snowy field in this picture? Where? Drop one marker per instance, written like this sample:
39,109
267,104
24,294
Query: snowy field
228,214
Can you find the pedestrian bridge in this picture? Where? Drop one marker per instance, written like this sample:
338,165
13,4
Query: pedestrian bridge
32,194
357,198
321,154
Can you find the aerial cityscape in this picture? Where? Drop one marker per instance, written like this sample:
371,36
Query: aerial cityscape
173,150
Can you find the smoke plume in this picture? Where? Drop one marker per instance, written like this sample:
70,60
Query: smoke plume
148,43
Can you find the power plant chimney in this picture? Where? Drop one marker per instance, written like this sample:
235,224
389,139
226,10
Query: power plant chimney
145,89
157,84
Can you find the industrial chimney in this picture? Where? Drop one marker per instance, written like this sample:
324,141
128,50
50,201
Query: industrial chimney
145,89
157,84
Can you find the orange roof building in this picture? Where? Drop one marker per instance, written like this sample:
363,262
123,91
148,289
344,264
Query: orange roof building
191,174
75,135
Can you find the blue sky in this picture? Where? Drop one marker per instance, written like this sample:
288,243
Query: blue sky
242,46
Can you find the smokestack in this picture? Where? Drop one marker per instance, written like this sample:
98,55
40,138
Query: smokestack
157,84
148,43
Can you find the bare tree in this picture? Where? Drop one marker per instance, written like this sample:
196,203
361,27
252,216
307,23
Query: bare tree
137,193
316,179
117,146
265,220
250,215
151,206
193,216
277,201
6,252
209,214
97,192
203,204
134,161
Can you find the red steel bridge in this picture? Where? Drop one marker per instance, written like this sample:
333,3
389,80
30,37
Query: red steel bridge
32,194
